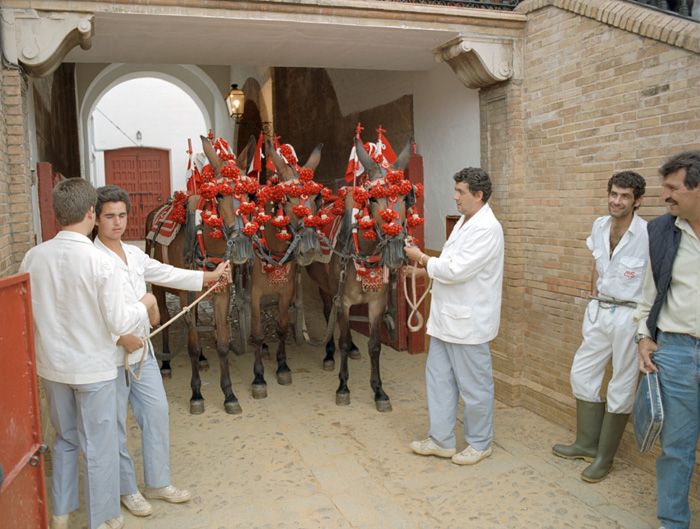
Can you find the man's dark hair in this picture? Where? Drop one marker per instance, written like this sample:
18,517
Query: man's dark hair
689,160
477,180
71,199
628,179
111,194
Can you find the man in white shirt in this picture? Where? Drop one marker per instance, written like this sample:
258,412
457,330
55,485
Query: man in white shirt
146,393
619,244
465,311
668,322
78,304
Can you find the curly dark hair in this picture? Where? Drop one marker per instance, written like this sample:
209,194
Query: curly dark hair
111,194
628,179
689,160
477,180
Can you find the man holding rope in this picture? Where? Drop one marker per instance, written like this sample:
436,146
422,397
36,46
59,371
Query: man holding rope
465,313
145,391
619,244
78,304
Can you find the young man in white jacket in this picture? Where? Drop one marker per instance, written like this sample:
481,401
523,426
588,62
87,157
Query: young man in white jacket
465,311
77,305
147,395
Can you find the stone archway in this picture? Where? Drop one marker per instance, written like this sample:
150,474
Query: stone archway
191,79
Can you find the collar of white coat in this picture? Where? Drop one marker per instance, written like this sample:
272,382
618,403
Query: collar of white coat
118,261
483,210
72,236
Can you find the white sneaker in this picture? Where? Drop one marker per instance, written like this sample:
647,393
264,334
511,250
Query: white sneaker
428,447
114,523
168,493
59,521
136,504
470,456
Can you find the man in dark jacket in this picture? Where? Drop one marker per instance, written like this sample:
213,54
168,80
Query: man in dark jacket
668,319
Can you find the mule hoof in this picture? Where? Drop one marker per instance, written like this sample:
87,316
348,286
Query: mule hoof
342,399
259,391
383,406
196,407
328,365
354,354
204,365
166,374
233,408
284,379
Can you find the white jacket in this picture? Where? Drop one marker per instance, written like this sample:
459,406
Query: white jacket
78,304
133,277
465,305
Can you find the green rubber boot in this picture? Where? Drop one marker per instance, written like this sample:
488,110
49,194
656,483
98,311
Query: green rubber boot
589,419
610,435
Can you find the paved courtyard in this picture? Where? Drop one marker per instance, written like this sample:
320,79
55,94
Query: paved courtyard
296,460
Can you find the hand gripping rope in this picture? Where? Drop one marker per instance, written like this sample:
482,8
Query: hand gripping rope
145,341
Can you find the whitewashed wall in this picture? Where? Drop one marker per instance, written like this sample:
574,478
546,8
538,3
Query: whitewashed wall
164,114
446,125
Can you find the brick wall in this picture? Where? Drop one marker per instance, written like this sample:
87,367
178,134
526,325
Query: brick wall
16,233
597,97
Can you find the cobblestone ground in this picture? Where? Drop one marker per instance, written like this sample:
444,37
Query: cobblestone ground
296,460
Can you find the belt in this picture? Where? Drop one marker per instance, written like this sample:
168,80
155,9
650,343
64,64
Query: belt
612,302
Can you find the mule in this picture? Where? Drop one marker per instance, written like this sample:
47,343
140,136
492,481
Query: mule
355,257
282,249
183,252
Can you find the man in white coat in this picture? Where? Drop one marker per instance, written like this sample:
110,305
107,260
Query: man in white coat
77,305
465,311
146,394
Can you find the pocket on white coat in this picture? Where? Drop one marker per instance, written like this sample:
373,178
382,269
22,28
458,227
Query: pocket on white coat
456,319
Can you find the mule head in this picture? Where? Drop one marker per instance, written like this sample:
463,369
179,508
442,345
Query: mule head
381,205
238,247
308,247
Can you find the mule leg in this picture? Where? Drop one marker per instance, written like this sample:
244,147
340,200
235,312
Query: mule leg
376,311
203,362
284,300
342,394
194,350
165,369
221,306
354,351
329,360
259,385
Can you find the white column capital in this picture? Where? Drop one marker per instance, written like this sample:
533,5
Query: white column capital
480,61
40,40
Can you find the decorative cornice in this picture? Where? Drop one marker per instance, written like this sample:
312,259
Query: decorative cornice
40,40
480,61
650,23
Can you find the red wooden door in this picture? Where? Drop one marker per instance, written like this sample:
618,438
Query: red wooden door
22,493
47,179
145,174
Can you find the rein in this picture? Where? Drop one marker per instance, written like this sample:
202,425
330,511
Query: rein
145,341
415,304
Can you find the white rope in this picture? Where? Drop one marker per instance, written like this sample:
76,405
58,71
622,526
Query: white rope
160,329
413,304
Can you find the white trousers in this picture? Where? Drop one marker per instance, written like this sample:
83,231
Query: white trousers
150,406
85,418
454,370
607,333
